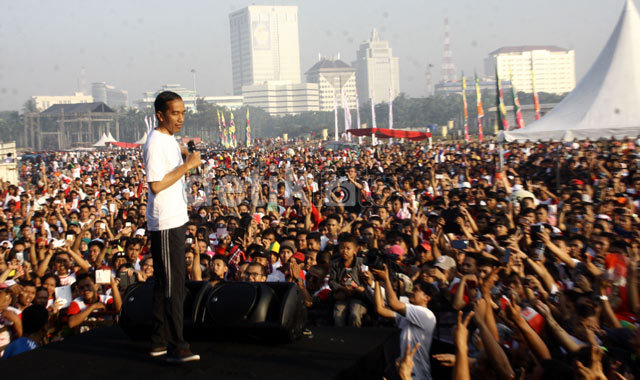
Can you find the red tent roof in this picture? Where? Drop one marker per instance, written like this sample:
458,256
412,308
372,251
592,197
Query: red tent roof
124,144
385,133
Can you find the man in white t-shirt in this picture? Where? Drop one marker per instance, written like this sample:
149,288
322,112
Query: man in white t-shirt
415,320
166,219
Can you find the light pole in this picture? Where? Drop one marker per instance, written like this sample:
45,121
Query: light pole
195,92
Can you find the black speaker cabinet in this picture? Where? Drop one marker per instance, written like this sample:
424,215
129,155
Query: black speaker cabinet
272,311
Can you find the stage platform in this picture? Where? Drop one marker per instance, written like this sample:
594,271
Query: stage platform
107,353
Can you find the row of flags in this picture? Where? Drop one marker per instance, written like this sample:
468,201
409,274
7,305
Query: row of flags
503,122
228,135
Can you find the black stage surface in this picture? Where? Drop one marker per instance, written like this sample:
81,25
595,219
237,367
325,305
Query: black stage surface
107,353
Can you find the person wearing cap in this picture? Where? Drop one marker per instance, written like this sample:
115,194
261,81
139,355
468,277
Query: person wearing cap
286,251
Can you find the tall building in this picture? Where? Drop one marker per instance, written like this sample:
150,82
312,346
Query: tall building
264,45
109,95
280,98
377,70
333,76
554,67
43,102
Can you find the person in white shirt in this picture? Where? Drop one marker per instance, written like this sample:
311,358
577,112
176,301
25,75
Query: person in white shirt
166,219
415,320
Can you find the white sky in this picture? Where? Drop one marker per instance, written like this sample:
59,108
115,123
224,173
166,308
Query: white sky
140,45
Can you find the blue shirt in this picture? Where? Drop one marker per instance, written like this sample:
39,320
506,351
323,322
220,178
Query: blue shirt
19,346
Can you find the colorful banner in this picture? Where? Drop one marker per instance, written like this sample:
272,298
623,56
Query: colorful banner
536,100
225,137
480,110
232,132
503,123
517,109
247,131
220,130
465,113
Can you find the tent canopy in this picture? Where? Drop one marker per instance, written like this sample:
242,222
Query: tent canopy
384,133
605,104
143,139
102,141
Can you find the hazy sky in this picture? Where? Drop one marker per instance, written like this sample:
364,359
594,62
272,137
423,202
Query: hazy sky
140,45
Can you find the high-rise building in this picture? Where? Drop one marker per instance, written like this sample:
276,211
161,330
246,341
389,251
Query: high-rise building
377,70
109,95
334,77
554,67
264,45
280,98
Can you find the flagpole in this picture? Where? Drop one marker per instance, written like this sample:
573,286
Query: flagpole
390,113
373,119
536,100
347,115
517,109
335,116
358,117
464,109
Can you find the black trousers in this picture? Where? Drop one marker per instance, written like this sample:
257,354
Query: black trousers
168,250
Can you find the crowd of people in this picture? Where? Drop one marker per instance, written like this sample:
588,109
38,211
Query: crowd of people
534,262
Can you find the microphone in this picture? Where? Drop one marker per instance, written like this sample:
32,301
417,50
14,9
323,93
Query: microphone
191,146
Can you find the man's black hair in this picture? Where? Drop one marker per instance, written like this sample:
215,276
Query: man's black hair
97,243
84,275
34,318
346,237
315,236
163,98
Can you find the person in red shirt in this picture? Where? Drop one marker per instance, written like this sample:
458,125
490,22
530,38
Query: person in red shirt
91,301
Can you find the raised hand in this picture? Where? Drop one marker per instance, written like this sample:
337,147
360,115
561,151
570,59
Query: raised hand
405,363
461,333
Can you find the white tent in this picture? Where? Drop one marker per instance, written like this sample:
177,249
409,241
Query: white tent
143,139
102,141
606,102
110,138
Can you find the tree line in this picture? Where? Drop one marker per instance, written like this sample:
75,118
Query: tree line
408,113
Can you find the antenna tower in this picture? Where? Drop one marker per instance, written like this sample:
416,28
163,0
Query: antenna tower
448,68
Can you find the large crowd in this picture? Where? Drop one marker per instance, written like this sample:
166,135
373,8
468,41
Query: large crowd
532,261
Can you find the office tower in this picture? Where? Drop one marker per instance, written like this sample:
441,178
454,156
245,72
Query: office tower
377,70
264,45
554,67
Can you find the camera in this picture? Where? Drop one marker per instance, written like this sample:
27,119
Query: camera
377,259
345,192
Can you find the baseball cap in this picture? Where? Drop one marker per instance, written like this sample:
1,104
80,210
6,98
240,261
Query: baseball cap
445,263
396,250
299,256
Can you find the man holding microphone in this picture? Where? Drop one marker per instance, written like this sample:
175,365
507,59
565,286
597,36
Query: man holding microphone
166,219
